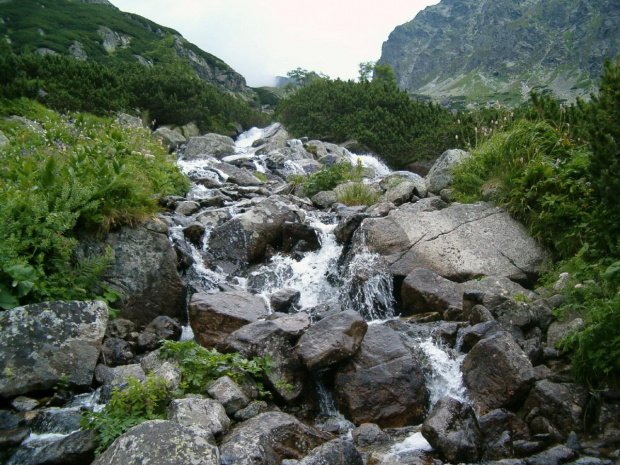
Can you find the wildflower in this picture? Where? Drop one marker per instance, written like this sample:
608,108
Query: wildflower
456,137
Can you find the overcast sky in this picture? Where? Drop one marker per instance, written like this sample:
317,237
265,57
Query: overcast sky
265,38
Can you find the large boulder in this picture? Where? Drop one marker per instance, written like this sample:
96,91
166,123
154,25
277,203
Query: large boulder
396,177
47,342
382,383
143,271
262,338
440,175
239,176
170,138
161,442
332,340
556,408
209,144
197,411
424,291
497,373
244,238
452,430
334,452
215,316
500,429
268,439
460,242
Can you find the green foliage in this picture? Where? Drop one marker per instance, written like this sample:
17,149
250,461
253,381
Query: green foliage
325,179
169,93
540,175
200,366
80,172
559,172
376,113
128,407
358,193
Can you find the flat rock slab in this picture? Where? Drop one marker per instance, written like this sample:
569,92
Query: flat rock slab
459,243
213,317
42,343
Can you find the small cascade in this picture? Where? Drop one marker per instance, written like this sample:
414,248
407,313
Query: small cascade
367,286
329,418
312,275
370,161
445,378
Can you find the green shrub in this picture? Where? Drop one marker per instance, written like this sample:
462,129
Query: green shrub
128,407
358,193
200,366
82,172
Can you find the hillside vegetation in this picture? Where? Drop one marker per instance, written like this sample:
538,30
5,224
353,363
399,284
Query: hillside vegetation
559,173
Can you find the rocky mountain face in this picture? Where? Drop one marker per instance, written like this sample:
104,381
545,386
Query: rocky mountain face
97,30
476,51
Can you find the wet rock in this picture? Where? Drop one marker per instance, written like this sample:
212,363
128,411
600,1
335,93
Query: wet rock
469,337
239,176
370,434
268,439
459,243
212,218
12,437
425,291
160,329
209,144
293,233
229,394
76,449
554,456
347,226
382,383
253,409
503,383
171,139
323,311
324,199
295,324
258,339
452,430
46,342
500,429
116,352
53,420
440,174
153,440
187,208
244,238
334,452
194,233
608,423
561,404
120,328
197,411
214,316
380,209
332,340
24,404
143,271
284,300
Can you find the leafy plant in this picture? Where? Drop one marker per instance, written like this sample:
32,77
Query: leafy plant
200,366
134,404
357,193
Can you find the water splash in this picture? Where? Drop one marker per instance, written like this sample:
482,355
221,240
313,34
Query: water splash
445,377
369,161
368,286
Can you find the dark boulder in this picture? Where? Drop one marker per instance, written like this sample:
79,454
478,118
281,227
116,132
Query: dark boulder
452,430
46,342
160,329
334,452
382,383
497,373
214,316
332,340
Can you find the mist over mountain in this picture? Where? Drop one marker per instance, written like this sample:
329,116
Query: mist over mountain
476,51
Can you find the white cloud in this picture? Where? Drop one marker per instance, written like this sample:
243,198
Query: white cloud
263,39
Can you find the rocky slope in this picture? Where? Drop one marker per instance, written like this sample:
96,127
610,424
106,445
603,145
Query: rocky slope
471,51
97,30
